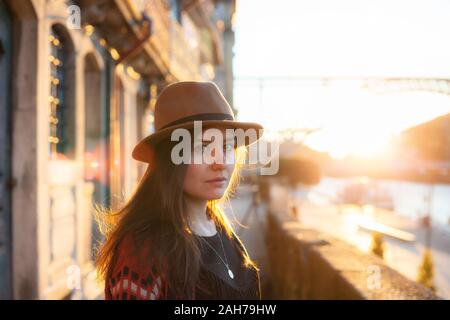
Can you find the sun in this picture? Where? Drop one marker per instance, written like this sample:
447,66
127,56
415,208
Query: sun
367,145
346,140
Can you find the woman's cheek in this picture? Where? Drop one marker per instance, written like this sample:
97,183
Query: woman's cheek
230,169
189,182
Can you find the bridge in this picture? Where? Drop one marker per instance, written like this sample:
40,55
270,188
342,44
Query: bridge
374,84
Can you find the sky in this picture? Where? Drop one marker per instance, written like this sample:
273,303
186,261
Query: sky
344,38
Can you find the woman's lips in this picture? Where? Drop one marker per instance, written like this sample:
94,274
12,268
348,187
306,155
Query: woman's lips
217,182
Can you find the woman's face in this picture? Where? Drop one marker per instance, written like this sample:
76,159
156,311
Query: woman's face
209,179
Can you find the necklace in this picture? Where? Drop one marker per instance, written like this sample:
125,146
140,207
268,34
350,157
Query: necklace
230,273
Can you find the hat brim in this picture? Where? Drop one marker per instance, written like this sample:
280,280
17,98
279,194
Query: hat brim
144,150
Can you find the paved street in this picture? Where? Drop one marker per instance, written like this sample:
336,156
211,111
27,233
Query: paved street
250,225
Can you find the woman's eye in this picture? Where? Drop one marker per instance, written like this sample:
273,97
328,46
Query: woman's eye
228,147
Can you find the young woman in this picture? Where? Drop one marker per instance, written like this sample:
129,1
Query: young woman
171,240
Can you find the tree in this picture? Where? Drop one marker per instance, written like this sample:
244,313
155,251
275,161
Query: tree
298,171
377,246
426,271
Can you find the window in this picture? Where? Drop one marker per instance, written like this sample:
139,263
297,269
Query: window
176,9
62,94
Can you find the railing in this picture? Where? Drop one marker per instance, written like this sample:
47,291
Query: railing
184,60
169,41
160,15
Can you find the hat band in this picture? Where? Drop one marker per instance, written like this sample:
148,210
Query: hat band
199,117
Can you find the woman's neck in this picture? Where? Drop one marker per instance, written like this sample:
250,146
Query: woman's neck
197,217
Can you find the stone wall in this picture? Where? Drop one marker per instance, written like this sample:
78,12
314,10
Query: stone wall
304,264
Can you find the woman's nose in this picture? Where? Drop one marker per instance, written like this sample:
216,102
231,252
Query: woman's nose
218,159
218,166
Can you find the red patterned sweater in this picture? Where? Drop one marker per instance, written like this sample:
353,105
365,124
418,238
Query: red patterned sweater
130,280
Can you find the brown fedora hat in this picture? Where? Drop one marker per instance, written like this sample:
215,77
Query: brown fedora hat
180,104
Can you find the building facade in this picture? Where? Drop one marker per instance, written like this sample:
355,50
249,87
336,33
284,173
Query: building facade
78,84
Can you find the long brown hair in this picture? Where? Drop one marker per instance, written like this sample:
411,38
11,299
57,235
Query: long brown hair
154,214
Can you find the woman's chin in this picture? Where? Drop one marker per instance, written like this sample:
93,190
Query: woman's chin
215,195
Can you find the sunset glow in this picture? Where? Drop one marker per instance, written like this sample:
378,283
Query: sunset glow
352,119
